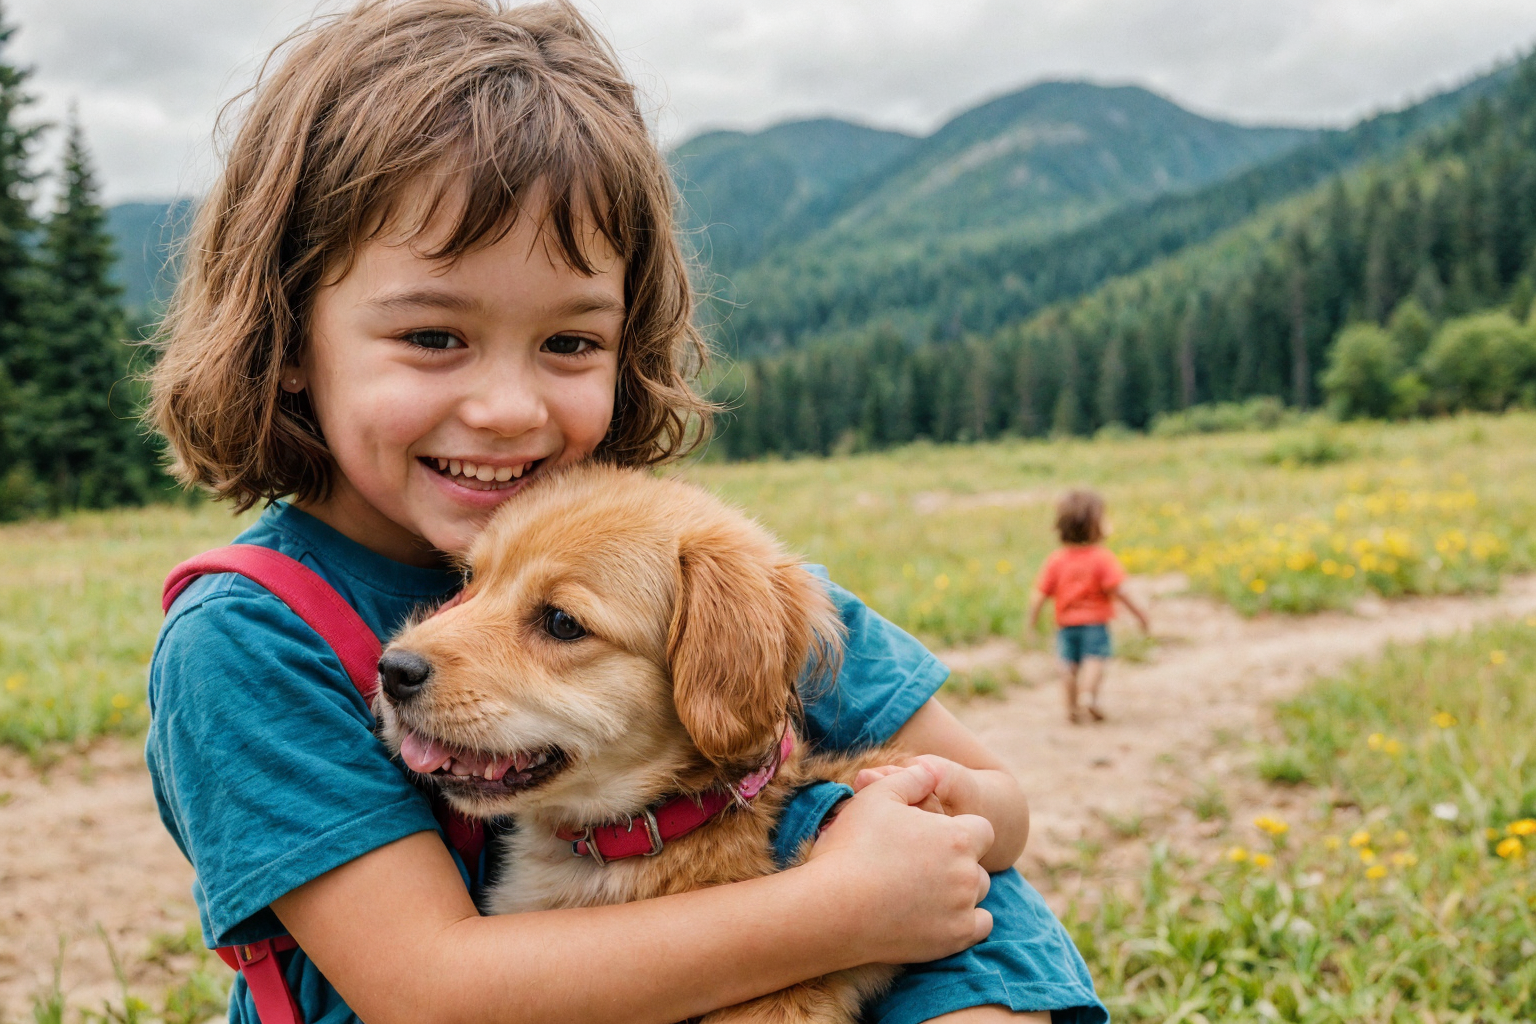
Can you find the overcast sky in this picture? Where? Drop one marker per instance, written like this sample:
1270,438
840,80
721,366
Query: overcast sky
149,75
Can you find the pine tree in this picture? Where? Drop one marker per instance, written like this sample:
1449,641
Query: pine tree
81,429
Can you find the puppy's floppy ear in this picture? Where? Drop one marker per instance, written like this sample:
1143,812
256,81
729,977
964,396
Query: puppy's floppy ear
748,620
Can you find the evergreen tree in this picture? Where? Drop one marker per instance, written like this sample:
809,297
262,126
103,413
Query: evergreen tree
80,429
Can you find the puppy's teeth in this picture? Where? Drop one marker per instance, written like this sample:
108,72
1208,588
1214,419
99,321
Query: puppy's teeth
454,466
459,769
518,471
540,760
490,772
503,474
442,464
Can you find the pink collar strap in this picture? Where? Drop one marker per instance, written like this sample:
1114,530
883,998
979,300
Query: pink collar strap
648,833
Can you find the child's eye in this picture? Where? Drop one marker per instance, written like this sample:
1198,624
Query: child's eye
434,339
569,345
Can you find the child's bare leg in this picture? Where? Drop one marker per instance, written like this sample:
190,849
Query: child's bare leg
1092,678
1069,688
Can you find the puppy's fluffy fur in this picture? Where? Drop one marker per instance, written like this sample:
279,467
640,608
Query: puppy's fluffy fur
695,627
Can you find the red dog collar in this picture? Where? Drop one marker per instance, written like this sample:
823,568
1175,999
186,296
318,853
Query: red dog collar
671,819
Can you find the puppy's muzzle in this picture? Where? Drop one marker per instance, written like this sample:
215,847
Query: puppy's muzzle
404,674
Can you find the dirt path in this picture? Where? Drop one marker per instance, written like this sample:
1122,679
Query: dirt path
1180,720
82,851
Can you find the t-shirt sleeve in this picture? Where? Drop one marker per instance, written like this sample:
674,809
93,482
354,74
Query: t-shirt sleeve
1049,572
1111,572
263,758
886,676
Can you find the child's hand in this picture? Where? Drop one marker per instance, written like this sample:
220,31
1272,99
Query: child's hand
912,879
958,790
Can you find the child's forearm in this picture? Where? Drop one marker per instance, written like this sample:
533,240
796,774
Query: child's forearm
395,931
1001,801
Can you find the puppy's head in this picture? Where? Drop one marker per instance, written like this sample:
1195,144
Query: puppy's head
621,637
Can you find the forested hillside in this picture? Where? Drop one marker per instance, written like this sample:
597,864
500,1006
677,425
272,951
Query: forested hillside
1006,175
1450,223
745,193
931,289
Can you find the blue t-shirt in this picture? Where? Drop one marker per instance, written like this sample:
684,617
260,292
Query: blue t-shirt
267,773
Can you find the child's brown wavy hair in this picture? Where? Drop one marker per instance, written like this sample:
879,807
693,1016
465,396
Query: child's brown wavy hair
482,102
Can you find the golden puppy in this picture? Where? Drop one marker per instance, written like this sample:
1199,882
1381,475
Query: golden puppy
622,664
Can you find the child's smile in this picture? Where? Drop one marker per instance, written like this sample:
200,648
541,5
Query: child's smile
444,387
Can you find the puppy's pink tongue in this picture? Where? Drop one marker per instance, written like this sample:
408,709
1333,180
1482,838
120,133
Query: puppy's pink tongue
421,754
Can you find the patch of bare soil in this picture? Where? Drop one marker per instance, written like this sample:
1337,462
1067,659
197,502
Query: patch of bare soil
83,857
1181,721
83,853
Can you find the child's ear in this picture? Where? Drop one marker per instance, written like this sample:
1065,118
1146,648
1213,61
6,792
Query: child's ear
747,622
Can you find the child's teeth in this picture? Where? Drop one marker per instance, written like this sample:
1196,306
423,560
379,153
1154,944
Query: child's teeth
470,469
442,464
485,474
520,470
454,465
503,474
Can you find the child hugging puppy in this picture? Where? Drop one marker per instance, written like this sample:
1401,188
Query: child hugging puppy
1084,580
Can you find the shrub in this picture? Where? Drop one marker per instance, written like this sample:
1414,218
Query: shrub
1263,413
1480,362
1362,370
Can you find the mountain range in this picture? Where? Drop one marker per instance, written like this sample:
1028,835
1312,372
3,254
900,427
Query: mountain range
1022,166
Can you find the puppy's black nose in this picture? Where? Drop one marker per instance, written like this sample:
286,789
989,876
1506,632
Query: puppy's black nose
404,674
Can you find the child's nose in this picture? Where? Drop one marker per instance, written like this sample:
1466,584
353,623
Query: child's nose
505,406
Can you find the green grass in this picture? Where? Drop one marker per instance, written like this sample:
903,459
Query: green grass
945,541
79,609
1408,897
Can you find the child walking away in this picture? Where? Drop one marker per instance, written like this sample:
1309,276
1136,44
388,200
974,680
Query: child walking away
1083,578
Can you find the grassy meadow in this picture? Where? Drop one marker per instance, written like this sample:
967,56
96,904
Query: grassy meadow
945,541
1405,895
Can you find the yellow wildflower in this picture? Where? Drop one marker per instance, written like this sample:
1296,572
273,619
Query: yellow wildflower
1330,567
1347,572
13,683
1404,860
1359,839
1523,827
1004,567
1237,854
1367,855
1262,860
1400,837
1376,872
1391,747
1273,826
1497,657
1375,741
1332,842
941,582
1444,720
1258,586
1510,849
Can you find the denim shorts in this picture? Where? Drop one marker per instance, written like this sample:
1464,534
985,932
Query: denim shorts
1074,643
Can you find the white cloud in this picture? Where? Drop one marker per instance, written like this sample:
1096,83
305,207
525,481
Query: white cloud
150,75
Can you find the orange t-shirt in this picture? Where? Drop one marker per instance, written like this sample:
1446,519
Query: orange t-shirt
1079,577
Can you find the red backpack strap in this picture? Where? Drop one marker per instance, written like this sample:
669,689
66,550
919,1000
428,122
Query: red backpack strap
305,592
257,961
308,596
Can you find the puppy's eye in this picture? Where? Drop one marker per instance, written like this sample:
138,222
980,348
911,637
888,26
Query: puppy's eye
562,625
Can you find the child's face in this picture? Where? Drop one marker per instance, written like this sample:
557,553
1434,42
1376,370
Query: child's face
505,360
